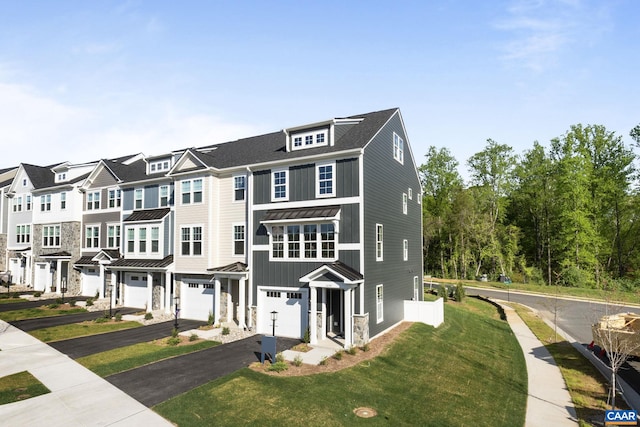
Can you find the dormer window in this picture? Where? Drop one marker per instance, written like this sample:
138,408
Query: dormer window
159,166
316,138
62,176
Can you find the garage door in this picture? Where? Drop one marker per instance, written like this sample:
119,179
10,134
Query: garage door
90,282
41,276
135,290
196,300
292,307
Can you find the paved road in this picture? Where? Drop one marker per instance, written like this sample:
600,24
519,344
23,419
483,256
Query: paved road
46,322
10,306
84,346
154,383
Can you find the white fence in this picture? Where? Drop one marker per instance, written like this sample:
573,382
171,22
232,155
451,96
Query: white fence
429,312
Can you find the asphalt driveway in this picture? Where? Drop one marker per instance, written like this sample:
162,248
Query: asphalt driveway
66,319
154,383
10,306
84,346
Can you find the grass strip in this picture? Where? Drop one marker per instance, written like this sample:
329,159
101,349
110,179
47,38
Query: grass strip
33,313
20,386
133,356
74,330
587,386
468,371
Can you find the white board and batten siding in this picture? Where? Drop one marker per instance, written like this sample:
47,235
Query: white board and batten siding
292,305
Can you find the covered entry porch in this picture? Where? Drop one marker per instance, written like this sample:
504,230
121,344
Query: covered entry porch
231,293
336,300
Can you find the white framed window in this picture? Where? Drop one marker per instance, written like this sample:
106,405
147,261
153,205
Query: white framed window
93,200
114,197
191,191
280,180
379,303
325,179
51,236
163,193
17,204
404,203
379,242
405,250
131,240
138,198
155,240
398,148
45,203
63,200
23,233
416,288
159,166
142,240
316,138
191,241
61,177
113,235
28,202
238,239
92,236
303,242
410,193
24,182
239,187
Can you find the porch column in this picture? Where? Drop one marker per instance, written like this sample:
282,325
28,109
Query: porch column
167,292
323,332
242,305
114,289
102,279
216,300
313,320
250,302
361,293
59,275
149,291
348,329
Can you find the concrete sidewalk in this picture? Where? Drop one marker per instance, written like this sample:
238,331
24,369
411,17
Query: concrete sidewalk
549,402
78,396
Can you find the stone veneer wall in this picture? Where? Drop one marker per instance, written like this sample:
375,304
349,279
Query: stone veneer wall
224,307
70,241
156,293
3,251
360,329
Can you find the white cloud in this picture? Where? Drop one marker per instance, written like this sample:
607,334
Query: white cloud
40,130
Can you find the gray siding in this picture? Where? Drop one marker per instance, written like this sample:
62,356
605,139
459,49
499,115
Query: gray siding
167,235
101,218
104,179
347,178
385,180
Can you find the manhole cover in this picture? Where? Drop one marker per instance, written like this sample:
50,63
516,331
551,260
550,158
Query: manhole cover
365,412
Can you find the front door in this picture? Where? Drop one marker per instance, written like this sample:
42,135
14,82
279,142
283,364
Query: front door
334,311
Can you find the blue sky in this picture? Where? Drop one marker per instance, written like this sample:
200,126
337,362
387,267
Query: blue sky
81,80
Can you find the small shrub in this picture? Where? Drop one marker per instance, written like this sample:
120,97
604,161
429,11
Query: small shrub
15,295
226,330
53,305
297,361
323,361
148,316
97,295
173,341
72,302
194,337
4,296
174,332
442,293
101,320
37,294
278,367
118,317
211,319
459,292
352,350
279,357
89,302
59,300
365,347
307,336
338,355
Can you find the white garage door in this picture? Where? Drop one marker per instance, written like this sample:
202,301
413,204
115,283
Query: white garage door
90,282
196,300
135,290
292,307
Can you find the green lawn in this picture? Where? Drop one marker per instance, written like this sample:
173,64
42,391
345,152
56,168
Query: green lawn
125,358
32,313
11,300
74,330
20,386
470,371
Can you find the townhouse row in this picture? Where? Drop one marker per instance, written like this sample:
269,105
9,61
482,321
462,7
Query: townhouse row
319,223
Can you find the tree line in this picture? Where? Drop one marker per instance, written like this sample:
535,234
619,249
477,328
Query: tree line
566,214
